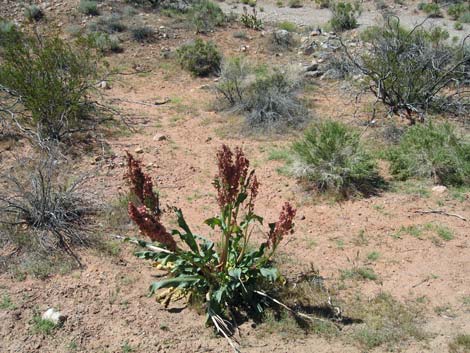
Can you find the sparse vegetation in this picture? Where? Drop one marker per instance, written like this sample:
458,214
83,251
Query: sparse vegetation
343,16
206,15
45,85
413,70
230,277
331,157
251,20
387,322
268,98
88,7
431,9
460,344
142,34
434,151
33,13
44,212
200,58
41,326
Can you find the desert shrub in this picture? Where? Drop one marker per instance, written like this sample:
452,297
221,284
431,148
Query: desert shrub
104,42
287,26
465,17
272,102
295,4
431,9
206,15
142,34
108,24
227,278
251,20
456,11
412,70
200,58
343,16
46,83
331,157
433,151
42,209
323,4
33,13
88,7
268,98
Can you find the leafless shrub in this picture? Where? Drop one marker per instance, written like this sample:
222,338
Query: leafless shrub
415,71
38,204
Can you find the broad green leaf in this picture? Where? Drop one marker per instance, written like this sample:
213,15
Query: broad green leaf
174,282
270,273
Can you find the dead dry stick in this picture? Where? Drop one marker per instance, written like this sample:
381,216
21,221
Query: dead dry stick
304,316
147,245
441,212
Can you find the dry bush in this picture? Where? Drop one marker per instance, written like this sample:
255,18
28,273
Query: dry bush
414,71
42,210
268,98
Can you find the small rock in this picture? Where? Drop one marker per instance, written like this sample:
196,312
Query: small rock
439,189
103,85
139,150
159,137
55,316
313,74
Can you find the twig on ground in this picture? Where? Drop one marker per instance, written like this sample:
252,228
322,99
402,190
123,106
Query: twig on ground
442,213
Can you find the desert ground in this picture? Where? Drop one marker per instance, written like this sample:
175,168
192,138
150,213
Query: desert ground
416,295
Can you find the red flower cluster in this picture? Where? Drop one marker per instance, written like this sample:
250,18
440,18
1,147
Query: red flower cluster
232,177
150,225
147,216
283,226
141,184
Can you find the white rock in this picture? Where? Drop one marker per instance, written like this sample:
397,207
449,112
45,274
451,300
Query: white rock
55,316
439,189
159,137
139,150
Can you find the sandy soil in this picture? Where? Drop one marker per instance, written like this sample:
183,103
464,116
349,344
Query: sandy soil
106,302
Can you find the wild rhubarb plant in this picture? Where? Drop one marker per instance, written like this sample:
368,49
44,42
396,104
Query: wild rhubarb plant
227,276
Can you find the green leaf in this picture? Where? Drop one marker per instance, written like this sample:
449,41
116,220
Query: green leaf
212,222
174,282
270,273
188,237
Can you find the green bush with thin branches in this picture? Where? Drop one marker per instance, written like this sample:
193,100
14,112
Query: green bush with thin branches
200,58
46,84
434,151
331,157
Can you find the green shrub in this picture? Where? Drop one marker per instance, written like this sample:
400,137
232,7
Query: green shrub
33,13
281,39
200,58
52,80
343,17
458,26
431,9
331,157
142,34
287,26
268,98
432,151
465,17
104,42
456,10
108,24
251,20
295,4
88,7
206,15
226,278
